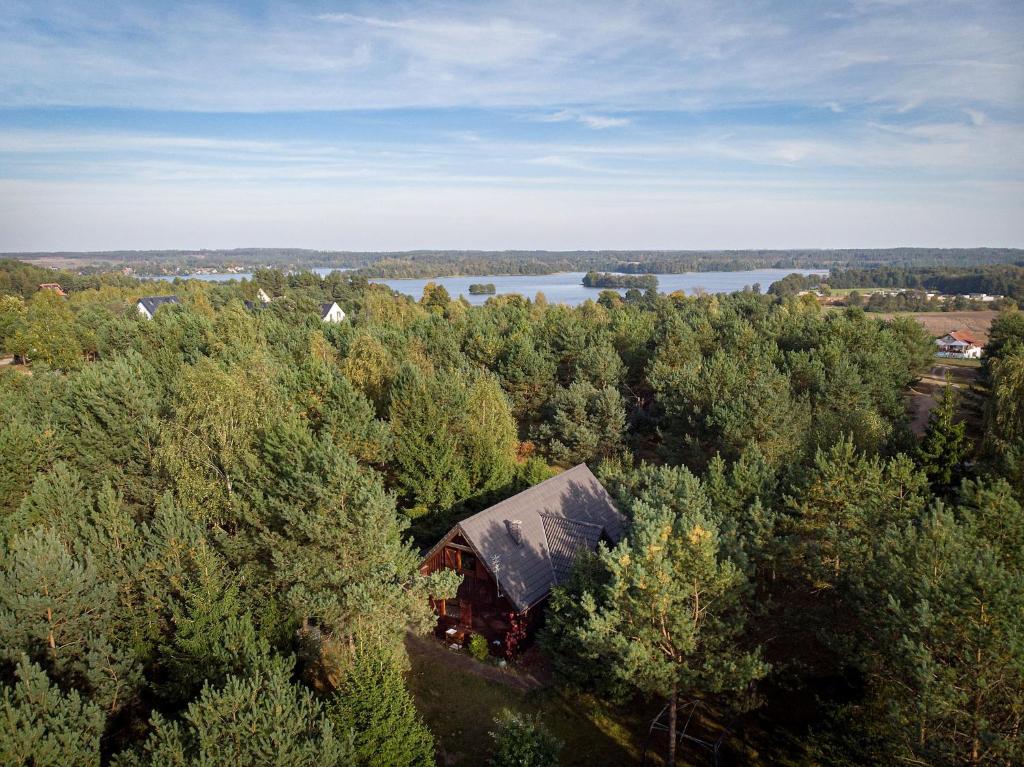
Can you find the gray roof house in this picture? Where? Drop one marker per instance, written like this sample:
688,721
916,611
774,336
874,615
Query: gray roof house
147,305
512,554
331,312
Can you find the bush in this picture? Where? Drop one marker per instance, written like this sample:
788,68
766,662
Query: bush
522,741
478,647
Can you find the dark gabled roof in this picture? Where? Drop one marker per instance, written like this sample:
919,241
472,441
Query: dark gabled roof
565,538
152,303
325,308
556,519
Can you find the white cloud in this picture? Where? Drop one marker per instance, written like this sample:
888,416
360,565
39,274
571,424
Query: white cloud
670,109
977,116
618,57
597,122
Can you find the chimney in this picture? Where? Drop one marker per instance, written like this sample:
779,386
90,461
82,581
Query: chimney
515,529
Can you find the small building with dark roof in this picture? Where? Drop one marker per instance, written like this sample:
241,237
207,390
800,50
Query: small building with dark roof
331,312
512,554
147,305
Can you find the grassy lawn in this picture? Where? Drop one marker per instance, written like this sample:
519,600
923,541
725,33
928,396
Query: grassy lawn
957,363
459,707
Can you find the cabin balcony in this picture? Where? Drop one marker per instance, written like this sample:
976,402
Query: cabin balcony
476,609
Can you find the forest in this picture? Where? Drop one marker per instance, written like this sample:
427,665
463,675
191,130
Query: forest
212,521
999,280
634,281
442,263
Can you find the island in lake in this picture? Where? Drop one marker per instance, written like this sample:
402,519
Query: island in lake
482,289
609,280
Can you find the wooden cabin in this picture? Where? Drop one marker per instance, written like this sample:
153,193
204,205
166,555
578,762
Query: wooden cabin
512,554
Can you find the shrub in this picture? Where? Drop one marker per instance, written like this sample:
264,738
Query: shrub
478,647
522,741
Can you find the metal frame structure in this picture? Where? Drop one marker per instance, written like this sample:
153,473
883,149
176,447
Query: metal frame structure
657,725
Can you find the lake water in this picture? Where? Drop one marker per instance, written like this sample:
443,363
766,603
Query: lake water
567,287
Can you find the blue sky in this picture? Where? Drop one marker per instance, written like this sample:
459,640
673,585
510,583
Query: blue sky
347,125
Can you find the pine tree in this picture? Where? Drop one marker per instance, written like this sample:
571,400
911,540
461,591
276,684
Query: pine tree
426,449
24,450
334,545
107,419
841,505
374,705
673,611
585,424
42,727
57,611
943,613
944,445
263,720
213,634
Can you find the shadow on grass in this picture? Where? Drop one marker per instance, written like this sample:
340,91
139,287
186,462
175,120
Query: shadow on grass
459,707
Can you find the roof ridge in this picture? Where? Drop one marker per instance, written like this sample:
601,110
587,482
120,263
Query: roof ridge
530,489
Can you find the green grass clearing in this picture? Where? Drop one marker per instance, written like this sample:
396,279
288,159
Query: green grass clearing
459,708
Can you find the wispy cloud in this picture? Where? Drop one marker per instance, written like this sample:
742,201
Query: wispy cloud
976,115
534,54
880,104
597,122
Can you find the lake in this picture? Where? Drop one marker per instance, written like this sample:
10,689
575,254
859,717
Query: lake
567,287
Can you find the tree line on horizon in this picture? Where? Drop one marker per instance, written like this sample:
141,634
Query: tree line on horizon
441,263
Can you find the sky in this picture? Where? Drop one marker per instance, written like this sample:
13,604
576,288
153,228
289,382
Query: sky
528,125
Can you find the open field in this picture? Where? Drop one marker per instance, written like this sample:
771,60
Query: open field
862,291
940,323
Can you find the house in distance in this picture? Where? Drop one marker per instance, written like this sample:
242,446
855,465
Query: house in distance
331,312
53,287
512,554
959,345
147,305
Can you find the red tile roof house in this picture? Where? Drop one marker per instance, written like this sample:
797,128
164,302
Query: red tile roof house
53,286
960,345
512,554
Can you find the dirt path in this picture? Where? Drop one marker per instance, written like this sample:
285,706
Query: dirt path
925,395
433,651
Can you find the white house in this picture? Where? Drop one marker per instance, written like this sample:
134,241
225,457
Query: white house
147,305
959,344
331,312
263,296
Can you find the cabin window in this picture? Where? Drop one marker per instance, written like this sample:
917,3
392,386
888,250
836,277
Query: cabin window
451,609
468,563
